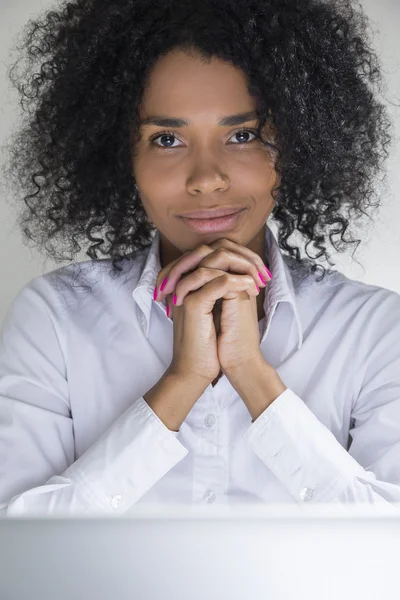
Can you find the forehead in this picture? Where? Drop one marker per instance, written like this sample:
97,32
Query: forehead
184,85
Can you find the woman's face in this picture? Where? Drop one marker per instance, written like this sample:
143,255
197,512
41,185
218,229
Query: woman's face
201,164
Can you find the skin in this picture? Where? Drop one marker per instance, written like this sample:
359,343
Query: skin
202,165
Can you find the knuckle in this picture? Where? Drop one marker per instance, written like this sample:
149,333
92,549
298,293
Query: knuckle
219,243
203,272
250,280
223,252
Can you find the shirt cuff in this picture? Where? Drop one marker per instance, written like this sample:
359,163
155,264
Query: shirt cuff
300,451
127,460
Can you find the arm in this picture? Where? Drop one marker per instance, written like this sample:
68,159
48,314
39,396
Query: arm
38,471
304,454
173,397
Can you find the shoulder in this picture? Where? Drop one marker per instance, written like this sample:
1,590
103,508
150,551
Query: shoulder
349,300
334,284
79,286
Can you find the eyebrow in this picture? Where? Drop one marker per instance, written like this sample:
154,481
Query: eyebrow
229,121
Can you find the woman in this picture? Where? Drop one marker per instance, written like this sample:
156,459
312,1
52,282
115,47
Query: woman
197,362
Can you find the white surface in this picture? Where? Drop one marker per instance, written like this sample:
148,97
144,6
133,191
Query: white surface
334,553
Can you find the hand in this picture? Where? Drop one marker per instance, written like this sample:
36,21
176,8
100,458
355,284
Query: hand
236,293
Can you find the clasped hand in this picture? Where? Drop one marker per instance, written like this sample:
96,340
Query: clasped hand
235,313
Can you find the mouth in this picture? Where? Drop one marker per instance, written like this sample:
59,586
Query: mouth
212,214
216,224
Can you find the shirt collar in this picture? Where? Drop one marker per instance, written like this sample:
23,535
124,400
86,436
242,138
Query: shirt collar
280,289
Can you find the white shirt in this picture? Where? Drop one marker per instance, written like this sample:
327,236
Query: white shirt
77,436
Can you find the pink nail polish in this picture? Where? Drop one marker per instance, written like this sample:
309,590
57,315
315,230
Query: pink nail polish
155,293
268,273
175,299
258,289
164,283
262,278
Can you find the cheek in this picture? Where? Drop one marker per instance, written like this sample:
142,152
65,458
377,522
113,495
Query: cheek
160,195
258,175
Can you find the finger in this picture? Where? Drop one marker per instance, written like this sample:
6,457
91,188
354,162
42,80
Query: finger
203,276
191,260
229,261
164,272
223,260
183,264
244,251
226,286
220,258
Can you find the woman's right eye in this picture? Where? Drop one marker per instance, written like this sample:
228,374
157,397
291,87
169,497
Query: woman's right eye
165,134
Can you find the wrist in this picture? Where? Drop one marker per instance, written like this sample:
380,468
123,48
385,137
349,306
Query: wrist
191,380
258,384
173,397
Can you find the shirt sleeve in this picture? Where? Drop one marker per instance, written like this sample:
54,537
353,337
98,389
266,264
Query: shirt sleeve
38,470
305,455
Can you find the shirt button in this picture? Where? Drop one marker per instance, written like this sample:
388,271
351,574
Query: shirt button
209,496
306,494
209,421
116,501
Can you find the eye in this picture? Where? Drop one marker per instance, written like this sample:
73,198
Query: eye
169,134
245,131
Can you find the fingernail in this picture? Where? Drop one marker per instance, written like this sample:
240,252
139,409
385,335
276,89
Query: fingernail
268,273
155,293
262,278
258,289
167,310
175,298
164,283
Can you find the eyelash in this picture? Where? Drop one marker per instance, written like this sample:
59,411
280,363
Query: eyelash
158,135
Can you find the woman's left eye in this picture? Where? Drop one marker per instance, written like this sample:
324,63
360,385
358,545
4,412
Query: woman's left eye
169,134
244,131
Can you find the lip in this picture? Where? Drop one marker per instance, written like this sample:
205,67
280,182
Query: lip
214,225
212,214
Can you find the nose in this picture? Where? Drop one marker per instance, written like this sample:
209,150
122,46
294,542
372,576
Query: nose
208,183
208,173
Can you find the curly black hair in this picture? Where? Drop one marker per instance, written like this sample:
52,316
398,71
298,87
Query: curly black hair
309,64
